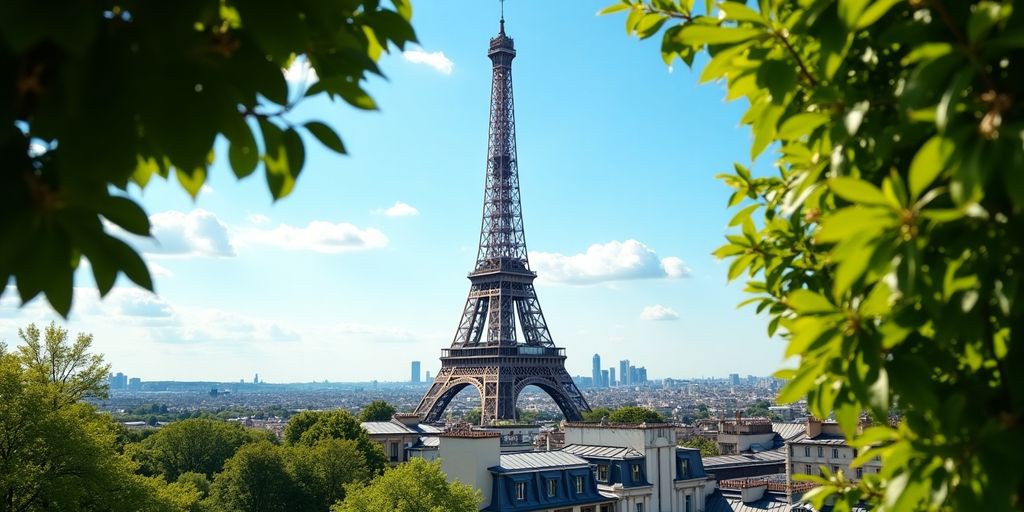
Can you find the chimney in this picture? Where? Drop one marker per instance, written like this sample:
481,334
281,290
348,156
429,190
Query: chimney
813,427
407,419
754,492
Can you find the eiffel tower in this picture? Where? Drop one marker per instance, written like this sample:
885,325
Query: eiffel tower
485,353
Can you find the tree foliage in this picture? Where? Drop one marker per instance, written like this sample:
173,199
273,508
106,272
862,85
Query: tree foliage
634,414
56,452
377,410
255,479
885,246
414,486
707,447
596,414
101,95
310,427
199,445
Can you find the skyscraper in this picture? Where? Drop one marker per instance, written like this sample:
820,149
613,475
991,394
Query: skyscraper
596,373
415,372
604,378
734,379
624,372
611,376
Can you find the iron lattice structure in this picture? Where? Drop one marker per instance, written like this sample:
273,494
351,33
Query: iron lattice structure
485,353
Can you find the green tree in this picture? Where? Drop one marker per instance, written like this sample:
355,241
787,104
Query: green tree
595,414
635,414
707,447
198,445
474,416
415,486
886,244
99,96
256,479
57,452
377,410
323,470
310,427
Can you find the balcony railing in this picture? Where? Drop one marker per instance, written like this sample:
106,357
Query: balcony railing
505,351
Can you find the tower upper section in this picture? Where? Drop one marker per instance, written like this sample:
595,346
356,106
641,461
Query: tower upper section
502,240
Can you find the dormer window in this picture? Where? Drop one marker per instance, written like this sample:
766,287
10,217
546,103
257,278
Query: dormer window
602,472
552,487
579,485
684,468
520,491
636,472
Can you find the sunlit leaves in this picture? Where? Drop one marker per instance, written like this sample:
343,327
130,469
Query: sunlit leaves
885,241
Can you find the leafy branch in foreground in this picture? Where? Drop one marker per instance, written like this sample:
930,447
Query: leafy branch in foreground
100,95
886,248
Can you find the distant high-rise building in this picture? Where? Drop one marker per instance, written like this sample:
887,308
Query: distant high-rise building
611,376
604,378
624,372
734,379
641,375
118,381
256,379
428,376
633,380
596,374
415,372
134,384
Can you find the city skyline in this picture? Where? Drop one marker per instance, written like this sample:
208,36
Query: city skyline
367,258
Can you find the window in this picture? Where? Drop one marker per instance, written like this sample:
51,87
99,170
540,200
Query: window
807,451
835,469
835,453
520,491
636,473
821,452
394,452
689,504
587,509
602,472
684,468
579,485
860,473
807,469
552,487
639,507
605,508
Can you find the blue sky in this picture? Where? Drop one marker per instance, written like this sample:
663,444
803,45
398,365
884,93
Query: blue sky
616,155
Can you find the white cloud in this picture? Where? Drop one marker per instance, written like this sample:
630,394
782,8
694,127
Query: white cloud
658,312
612,261
257,219
157,270
399,209
196,233
318,236
437,60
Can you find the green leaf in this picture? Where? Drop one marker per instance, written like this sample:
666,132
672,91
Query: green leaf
778,76
878,394
710,34
743,215
144,170
876,10
243,155
737,11
983,17
129,262
193,181
806,302
795,127
928,163
858,191
796,389
326,136
850,11
854,220
125,213
621,6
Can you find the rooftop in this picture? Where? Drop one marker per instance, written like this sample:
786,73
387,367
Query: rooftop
744,459
639,426
537,460
386,427
603,452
